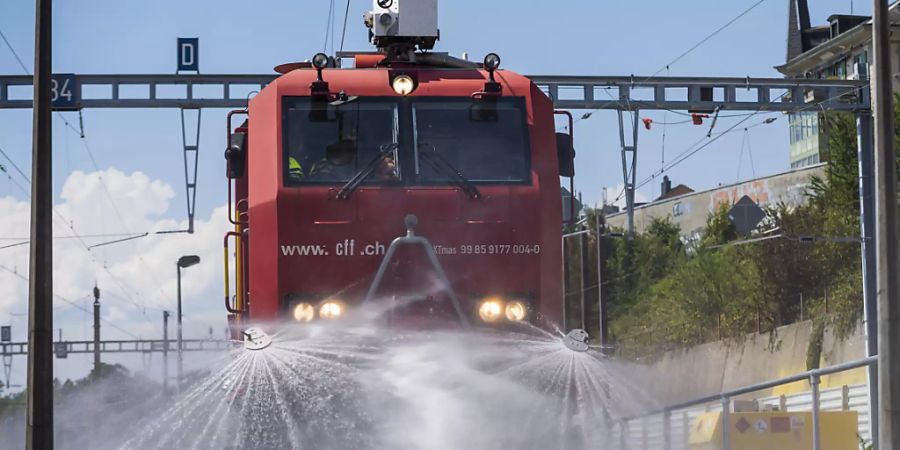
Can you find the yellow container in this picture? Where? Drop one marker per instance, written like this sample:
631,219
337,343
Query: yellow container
776,431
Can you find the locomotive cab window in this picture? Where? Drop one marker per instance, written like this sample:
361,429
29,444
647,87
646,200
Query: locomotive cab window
328,143
483,142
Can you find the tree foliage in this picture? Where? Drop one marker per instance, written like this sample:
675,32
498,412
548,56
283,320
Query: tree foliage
663,295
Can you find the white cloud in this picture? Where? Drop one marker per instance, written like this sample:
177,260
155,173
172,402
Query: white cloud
616,196
137,278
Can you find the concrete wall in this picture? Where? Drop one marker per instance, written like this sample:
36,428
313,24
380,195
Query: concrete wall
691,211
708,369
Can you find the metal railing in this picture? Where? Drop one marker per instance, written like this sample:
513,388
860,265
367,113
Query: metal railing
123,346
725,400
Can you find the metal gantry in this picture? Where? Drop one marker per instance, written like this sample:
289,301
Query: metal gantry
192,93
156,91
628,93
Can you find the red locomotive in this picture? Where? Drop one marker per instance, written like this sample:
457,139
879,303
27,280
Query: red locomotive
331,160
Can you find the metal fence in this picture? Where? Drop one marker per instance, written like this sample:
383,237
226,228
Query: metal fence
669,428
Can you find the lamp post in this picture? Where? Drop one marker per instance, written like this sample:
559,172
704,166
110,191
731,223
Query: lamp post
183,262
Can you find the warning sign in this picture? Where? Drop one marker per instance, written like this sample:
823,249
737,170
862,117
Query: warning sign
761,426
783,424
742,425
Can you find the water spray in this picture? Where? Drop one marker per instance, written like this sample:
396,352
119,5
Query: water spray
577,340
256,339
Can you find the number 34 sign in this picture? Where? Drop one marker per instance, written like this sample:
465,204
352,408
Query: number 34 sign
65,93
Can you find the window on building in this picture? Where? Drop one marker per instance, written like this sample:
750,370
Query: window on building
677,210
841,69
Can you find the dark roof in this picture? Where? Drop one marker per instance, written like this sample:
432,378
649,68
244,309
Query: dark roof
675,192
849,17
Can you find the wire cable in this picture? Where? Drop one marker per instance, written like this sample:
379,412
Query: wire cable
75,235
328,28
102,183
691,150
706,39
16,55
13,164
344,31
116,210
70,302
682,56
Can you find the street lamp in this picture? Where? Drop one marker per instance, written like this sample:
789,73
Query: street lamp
183,262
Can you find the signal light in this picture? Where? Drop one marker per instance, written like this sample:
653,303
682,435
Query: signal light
491,62
320,61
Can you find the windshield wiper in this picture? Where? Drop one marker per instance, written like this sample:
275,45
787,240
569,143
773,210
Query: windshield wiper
440,164
365,172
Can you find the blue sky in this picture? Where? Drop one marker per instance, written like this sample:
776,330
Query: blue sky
576,37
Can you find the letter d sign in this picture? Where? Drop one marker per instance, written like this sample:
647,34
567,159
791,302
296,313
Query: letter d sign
189,54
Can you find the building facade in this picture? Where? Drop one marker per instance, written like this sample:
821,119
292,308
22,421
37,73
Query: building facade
692,210
837,50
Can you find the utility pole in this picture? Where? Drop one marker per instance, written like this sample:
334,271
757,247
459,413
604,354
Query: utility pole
179,337
886,236
39,420
601,307
183,262
869,256
565,282
95,414
96,331
582,241
166,351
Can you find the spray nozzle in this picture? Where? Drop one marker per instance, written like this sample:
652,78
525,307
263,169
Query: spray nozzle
577,340
256,339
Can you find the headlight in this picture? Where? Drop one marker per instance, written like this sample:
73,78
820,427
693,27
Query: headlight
516,311
331,310
304,312
403,84
490,310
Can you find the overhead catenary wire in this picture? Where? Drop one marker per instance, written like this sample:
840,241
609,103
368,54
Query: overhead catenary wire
115,208
329,28
344,30
80,239
706,39
691,150
13,164
83,236
13,50
80,133
678,58
70,302
745,146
